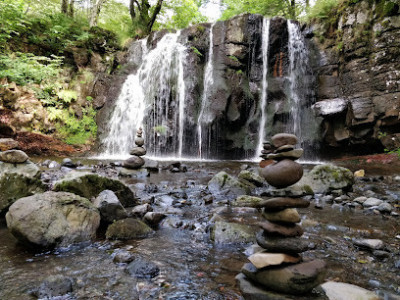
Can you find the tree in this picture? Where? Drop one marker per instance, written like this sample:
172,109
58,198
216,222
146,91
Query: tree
144,15
184,14
95,9
67,7
286,8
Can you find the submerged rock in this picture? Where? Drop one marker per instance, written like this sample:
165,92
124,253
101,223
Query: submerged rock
128,229
53,286
286,245
90,185
228,232
142,268
53,219
251,177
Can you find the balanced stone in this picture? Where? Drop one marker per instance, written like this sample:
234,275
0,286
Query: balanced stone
282,203
284,148
283,230
283,173
139,141
263,259
294,279
292,154
281,139
134,162
286,245
289,215
14,156
138,151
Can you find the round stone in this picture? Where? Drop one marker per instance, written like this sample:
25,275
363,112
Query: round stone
292,154
289,215
138,151
275,204
286,245
283,173
139,141
274,229
282,139
134,162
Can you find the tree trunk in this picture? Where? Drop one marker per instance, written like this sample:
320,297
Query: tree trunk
64,6
141,20
71,8
95,11
154,16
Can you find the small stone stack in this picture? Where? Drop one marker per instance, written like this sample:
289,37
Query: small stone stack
136,161
280,266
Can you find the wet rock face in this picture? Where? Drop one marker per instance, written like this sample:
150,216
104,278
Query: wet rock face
359,101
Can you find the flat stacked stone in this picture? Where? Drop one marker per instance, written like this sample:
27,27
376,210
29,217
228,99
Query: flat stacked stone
280,267
136,161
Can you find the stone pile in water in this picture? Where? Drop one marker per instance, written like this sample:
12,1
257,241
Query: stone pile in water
280,266
136,161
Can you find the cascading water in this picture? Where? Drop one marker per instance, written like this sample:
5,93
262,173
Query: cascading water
208,83
301,90
148,93
263,106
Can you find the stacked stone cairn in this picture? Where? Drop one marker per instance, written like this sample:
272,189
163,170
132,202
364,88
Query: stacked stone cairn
136,161
280,266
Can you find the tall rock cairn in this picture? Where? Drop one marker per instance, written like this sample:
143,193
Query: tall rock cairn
136,161
280,266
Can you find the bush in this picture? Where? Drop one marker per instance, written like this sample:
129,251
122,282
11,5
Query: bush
24,69
322,9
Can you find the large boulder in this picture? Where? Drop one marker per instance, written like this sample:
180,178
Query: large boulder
17,181
325,178
225,182
53,219
229,232
89,185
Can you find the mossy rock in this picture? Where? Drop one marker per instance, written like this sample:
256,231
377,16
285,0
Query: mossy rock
17,181
223,181
128,229
324,178
228,232
91,185
247,201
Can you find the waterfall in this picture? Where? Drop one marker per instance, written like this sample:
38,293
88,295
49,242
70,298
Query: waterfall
264,95
208,81
148,92
301,90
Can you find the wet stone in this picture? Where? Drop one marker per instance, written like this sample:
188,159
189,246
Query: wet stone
292,154
286,245
283,230
53,286
264,259
289,215
283,173
13,156
281,139
274,204
374,244
141,268
123,257
294,279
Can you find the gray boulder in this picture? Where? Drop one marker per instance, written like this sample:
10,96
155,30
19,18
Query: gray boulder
17,181
53,219
325,178
53,286
109,206
89,185
251,177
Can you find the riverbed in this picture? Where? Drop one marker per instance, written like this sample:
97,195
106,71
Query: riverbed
191,265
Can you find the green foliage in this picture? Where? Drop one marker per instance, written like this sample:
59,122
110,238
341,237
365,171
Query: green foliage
396,151
161,130
13,20
185,13
70,128
322,9
24,69
234,58
67,96
195,50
